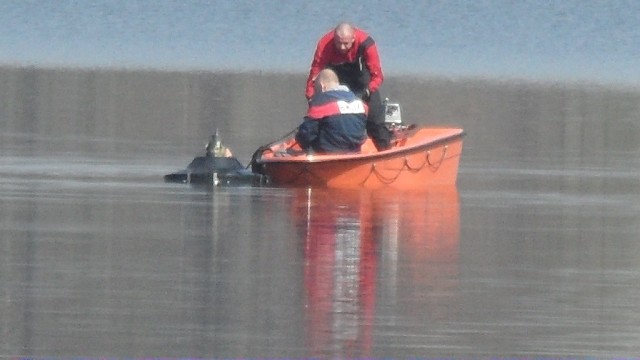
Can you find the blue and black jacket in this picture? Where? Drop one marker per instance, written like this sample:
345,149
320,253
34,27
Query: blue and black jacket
335,122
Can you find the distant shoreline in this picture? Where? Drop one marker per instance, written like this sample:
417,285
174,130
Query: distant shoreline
389,75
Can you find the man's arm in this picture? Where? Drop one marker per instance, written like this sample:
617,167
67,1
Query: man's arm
372,61
320,61
307,133
317,65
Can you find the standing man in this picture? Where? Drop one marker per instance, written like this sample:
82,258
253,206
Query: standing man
353,55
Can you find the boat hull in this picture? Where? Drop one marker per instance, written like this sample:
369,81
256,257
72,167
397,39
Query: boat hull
424,157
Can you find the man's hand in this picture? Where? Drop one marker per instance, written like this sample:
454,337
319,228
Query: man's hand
365,95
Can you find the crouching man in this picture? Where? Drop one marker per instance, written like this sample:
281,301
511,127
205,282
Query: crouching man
336,119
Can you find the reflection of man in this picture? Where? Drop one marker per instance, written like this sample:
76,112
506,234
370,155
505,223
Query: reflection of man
336,118
340,270
353,55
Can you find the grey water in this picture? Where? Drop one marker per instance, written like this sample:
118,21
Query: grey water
534,252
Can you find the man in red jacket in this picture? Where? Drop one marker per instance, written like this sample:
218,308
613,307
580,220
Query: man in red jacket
353,55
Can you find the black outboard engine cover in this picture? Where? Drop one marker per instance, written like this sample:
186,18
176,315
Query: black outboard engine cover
215,168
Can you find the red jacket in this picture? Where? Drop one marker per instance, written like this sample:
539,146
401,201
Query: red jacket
327,54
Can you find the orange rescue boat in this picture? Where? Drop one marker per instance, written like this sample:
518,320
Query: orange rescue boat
419,158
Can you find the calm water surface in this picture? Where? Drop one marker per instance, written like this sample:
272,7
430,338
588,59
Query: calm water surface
534,253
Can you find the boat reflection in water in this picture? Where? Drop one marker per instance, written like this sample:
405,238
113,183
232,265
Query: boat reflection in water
352,238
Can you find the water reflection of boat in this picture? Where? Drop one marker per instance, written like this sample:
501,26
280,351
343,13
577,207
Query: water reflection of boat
354,237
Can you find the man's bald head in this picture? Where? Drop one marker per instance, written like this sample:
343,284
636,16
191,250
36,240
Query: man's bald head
344,29
344,36
327,79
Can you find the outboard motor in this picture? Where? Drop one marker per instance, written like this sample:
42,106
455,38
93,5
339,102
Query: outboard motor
392,114
393,121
